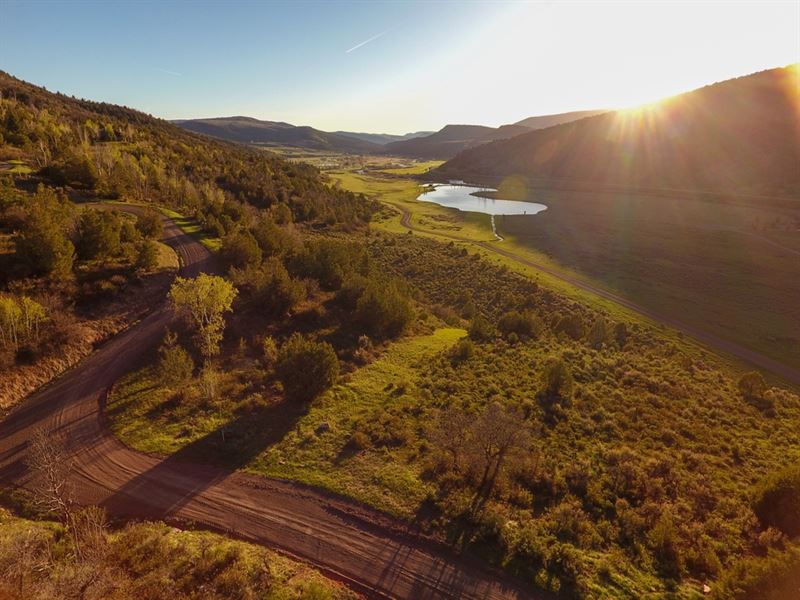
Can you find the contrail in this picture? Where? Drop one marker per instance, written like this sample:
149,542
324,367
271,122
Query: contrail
174,73
372,39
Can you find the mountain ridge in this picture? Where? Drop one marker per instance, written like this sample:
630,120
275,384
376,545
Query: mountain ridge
691,141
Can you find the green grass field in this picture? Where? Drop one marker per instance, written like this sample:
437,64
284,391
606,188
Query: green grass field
145,417
731,270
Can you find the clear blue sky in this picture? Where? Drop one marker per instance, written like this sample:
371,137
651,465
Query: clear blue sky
424,64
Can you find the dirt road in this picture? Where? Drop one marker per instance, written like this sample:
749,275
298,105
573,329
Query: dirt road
374,554
759,360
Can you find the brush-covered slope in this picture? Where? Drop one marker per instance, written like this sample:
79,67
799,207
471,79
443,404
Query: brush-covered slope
247,130
740,136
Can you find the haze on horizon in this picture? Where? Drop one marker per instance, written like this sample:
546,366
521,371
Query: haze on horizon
390,67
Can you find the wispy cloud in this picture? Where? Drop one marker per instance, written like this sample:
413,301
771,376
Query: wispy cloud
365,42
173,73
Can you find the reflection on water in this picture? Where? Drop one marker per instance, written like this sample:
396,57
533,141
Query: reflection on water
460,197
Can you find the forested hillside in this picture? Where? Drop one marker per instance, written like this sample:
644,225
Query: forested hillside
247,130
740,136
112,151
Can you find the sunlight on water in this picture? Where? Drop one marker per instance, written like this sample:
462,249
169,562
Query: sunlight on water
461,197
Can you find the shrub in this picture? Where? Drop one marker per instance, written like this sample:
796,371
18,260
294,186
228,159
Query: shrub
463,350
269,350
777,501
522,323
306,368
175,366
481,329
383,310
773,577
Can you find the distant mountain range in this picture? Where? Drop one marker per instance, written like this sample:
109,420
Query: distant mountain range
383,138
738,135
452,139
442,144
247,130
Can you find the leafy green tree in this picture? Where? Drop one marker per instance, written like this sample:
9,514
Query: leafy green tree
384,309
146,255
463,350
99,234
149,224
572,325
206,298
621,334
599,334
42,243
526,324
271,238
240,250
306,368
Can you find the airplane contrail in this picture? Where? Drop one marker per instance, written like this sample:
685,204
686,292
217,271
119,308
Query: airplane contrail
372,39
174,73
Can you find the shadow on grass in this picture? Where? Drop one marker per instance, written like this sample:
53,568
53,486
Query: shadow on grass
174,481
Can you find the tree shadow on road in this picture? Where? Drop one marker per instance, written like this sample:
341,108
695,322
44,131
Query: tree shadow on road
164,489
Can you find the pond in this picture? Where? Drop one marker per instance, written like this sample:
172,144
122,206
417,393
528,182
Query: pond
462,197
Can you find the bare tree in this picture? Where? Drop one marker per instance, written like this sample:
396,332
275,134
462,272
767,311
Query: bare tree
50,462
495,435
478,446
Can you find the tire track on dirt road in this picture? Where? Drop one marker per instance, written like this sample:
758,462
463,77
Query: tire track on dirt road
376,555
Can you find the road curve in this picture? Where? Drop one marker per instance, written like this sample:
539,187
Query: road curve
755,358
374,554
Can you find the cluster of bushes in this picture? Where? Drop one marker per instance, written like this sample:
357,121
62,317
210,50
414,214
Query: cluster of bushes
147,560
62,262
633,450
51,238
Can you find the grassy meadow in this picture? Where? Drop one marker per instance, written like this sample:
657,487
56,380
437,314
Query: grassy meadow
731,270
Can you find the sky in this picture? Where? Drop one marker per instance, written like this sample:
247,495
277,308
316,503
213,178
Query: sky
389,67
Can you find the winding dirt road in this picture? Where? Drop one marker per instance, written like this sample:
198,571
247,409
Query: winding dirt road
759,360
374,554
